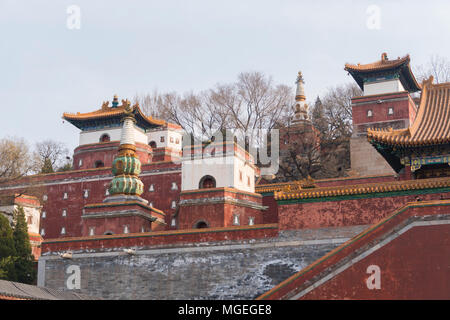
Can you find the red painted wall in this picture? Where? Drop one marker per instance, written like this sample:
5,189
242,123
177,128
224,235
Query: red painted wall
160,174
414,266
116,224
343,212
106,152
163,238
218,214
413,260
403,109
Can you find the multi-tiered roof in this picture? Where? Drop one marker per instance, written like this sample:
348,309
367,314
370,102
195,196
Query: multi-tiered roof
395,69
430,130
108,116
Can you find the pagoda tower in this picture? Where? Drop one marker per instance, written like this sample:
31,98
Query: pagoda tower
123,211
300,137
301,108
386,102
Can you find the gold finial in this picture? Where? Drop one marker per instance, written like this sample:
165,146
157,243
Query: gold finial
299,77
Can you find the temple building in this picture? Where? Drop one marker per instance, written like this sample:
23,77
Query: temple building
299,142
422,149
386,102
145,215
32,209
123,210
156,140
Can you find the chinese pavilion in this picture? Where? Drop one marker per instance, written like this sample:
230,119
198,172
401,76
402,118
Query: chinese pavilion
423,148
386,102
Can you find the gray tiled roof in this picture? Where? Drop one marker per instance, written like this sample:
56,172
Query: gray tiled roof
26,291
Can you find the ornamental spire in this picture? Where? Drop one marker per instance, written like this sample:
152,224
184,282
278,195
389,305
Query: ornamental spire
126,166
301,108
115,102
300,93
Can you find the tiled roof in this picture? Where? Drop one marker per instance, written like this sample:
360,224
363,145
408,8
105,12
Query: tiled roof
107,112
382,64
360,72
391,186
431,125
16,290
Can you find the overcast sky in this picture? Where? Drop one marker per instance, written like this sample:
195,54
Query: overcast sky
129,47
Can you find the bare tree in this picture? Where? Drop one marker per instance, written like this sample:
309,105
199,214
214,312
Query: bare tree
150,103
437,66
337,108
16,159
50,155
252,102
301,158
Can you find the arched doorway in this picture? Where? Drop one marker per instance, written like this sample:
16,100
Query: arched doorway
105,138
207,182
200,225
152,144
99,164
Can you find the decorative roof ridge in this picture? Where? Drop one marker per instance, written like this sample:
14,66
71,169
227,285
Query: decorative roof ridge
269,187
106,111
390,186
384,63
431,123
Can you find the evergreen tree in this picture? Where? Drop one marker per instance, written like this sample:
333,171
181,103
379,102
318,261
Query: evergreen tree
318,118
47,167
7,250
24,263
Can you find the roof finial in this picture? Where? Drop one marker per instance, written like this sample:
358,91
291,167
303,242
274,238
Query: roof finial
115,102
384,56
299,77
300,92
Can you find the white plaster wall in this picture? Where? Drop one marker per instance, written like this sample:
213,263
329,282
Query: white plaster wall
140,135
383,87
93,136
224,170
247,171
156,136
167,134
35,213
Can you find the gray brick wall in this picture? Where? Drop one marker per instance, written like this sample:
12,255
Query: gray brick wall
231,270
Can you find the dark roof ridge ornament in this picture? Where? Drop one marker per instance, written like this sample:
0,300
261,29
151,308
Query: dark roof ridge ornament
115,102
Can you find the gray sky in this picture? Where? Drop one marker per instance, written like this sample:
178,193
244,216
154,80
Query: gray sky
129,47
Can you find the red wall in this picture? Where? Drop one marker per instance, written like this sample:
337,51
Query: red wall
413,260
75,182
218,214
414,266
106,152
163,238
344,212
403,109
